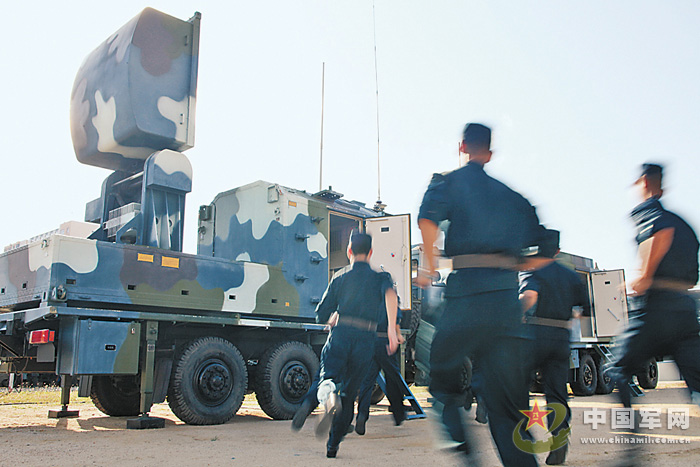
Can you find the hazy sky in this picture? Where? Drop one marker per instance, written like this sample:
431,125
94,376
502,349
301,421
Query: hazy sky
578,94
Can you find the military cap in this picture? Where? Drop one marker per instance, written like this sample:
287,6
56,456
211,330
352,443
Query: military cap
477,134
651,169
549,244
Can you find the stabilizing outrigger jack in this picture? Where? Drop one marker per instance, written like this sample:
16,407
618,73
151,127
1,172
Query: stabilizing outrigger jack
145,421
66,383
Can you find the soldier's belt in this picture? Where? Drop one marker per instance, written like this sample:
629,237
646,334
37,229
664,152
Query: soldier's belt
556,323
358,323
670,284
492,260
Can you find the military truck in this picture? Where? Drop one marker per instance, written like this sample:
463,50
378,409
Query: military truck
123,309
592,336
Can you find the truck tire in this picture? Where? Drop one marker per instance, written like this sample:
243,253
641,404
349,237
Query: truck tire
650,378
117,396
605,382
414,320
209,382
284,375
466,383
377,395
586,377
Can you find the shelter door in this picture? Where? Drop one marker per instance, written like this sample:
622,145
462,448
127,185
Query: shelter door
391,251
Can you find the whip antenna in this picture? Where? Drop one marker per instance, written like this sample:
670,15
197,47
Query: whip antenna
323,92
378,206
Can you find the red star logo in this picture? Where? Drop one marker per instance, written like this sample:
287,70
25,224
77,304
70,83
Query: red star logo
535,416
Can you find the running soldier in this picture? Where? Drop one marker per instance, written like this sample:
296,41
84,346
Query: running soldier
490,228
667,322
353,304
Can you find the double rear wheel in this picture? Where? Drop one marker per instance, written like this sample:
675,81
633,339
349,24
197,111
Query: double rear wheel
208,382
283,377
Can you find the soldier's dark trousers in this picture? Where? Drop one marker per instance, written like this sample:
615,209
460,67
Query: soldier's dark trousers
487,327
551,357
392,374
667,324
345,358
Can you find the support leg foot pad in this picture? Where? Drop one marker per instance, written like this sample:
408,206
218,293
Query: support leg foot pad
63,413
144,423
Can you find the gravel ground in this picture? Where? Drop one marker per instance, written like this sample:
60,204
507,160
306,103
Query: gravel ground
28,437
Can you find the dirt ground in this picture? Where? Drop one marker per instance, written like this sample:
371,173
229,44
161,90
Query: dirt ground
28,437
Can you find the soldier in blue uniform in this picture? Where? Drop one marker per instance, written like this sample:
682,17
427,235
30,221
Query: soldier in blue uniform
490,227
392,375
667,323
353,303
548,295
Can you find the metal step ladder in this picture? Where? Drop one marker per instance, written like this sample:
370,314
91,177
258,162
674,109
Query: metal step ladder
609,358
407,396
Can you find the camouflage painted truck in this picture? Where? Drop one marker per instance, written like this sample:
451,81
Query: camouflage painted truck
124,310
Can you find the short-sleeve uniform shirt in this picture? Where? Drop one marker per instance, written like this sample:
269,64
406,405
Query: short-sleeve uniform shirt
485,217
357,291
681,261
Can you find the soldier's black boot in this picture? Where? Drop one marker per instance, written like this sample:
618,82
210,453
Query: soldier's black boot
399,417
360,424
331,451
302,413
557,457
481,414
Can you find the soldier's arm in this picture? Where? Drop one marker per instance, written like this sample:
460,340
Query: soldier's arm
328,304
433,210
399,335
399,316
528,299
392,303
651,252
429,232
529,291
537,234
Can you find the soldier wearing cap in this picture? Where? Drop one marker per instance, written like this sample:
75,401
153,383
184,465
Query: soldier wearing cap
548,295
667,323
490,227
352,304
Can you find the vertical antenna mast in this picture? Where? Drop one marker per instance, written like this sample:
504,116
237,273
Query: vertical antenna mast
323,96
378,206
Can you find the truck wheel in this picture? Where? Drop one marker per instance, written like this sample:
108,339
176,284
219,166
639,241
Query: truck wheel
284,375
586,377
117,396
605,382
209,381
649,379
377,395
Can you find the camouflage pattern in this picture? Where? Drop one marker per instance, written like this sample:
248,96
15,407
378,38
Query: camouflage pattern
90,347
285,229
167,178
72,270
263,251
135,93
